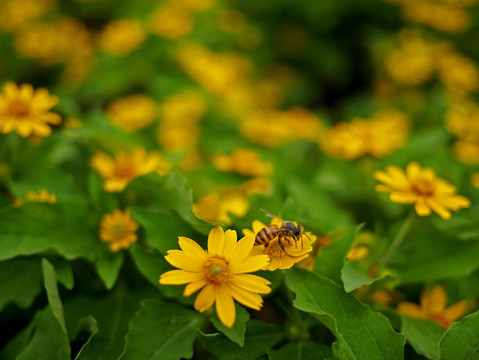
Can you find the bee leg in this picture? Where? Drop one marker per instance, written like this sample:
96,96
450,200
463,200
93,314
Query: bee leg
280,243
301,242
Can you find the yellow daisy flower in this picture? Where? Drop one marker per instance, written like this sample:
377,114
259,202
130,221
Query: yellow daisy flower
243,161
433,307
118,229
281,259
421,187
221,273
122,36
41,196
25,110
121,170
132,113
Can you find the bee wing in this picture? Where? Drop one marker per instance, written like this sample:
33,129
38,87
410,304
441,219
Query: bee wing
270,214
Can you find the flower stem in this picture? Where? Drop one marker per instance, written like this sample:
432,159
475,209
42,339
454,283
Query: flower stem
406,226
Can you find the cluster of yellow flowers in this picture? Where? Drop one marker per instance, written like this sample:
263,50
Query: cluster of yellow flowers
386,131
16,15
132,113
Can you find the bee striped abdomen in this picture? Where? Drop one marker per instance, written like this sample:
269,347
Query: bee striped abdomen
266,234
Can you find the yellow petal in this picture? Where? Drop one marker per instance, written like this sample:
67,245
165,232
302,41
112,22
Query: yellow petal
410,309
421,208
206,298
246,298
403,197
437,207
257,226
194,286
192,248
456,311
225,306
434,301
230,242
250,264
216,241
184,260
241,250
413,170
252,283
275,264
179,277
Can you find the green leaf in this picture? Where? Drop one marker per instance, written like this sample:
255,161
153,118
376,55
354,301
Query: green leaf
161,330
360,332
50,282
49,341
461,341
303,350
90,325
354,276
19,342
330,258
20,281
108,267
259,338
237,332
423,335
37,227
64,272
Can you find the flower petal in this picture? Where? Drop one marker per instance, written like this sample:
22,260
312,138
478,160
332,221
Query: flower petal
434,301
250,264
241,250
410,309
403,197
245,297
216,241
225,306
252,283
206,298
184,260
421,208
194,286
192,248
230,242
456,311
179,277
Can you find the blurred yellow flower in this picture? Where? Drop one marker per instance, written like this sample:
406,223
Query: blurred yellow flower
379,136
171,22
121,36
475,179
433,307
26,111
118,229
386,297
18,14
293,251
131,113
221,273
243,161
125,167
308,263
41,196
421,187
275,128
216,206
192,5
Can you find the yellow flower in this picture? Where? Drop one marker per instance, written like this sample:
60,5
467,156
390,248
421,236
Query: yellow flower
221,273
458,73
42,196
121,170
421,187
132,113
122,36
216,206
17,14
308,263
26,111
475,179
118,229
379,136
170,22
281,259
243,161
433,307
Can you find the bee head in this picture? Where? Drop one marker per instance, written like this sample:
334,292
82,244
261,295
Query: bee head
298,230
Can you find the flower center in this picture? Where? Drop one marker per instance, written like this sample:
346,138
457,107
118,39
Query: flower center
118,230
275,251
217,270
125,169
423,187
18,108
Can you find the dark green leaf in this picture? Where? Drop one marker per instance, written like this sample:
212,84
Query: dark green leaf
259,338
423,335
64,272
304,350
354,276
20,281
108,267
162,331
461,341
51,286
90,325
361,333
237,332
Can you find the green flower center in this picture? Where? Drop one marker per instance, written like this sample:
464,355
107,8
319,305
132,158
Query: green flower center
217,270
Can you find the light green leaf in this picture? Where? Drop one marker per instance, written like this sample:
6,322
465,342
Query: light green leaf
423,335
50,282
303,350
259,338
461,341
330,258
108,267
361,333
161,331
354,276
237,332
20,281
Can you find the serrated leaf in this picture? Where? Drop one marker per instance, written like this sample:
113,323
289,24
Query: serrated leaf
108,267
461,341
51,286
360,332
259,338
237,332
330,258
423,335
162,331
303,350
20,281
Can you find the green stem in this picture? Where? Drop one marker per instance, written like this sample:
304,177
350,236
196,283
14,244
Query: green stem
406,226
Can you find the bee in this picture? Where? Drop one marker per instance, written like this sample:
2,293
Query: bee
288,230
